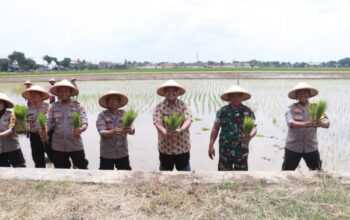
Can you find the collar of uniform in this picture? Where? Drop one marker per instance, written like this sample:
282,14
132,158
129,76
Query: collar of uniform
236,109
43,105
71,103
298,105
177,102
107,111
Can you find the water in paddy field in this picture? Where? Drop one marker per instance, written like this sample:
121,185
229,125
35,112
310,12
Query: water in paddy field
269,102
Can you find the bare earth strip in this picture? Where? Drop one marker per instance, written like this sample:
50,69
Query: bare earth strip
78,194
177,75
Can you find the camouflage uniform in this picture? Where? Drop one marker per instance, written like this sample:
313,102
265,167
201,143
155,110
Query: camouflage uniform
232,151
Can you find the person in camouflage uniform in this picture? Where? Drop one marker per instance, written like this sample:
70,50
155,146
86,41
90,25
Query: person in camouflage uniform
233,144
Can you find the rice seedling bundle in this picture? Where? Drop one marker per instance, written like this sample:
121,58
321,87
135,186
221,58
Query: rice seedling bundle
20,112
42,121
76,119
173,121
128,118
317,110
248,124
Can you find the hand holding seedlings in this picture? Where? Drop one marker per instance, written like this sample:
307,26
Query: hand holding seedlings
119,131
43,134
248,125
129,130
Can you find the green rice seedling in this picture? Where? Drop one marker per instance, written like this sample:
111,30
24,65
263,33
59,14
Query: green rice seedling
321,109
20,112
42,121
174,121
317,110
248,125
76,119
128,118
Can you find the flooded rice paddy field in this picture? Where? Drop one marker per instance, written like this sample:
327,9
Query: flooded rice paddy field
269,102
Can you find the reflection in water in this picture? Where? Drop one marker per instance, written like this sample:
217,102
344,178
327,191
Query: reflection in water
269,101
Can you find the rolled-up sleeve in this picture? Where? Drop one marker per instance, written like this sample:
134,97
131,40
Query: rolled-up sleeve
218,117
157,115
187,112
289,116
100,123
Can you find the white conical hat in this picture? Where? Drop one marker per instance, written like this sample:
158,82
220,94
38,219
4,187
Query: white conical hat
170,83
8,102
64,83
103,100
300,86
35,88
235,89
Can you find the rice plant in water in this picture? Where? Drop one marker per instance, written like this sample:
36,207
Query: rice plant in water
76,119
128,118
248,124
173,121
20,112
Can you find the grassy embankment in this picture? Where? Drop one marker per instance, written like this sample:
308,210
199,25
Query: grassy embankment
324,198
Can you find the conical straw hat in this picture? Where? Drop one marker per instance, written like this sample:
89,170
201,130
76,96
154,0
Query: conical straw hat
8,102
235,89
64,83
35,88
27,82
300,86
103,100
170,83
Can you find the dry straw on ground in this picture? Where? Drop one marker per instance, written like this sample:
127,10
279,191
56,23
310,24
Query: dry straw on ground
322,198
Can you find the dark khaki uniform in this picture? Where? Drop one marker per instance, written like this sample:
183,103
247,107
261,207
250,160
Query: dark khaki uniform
38,147
64,144
113,150
10,151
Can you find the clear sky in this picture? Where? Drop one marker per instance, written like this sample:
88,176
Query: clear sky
176,30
